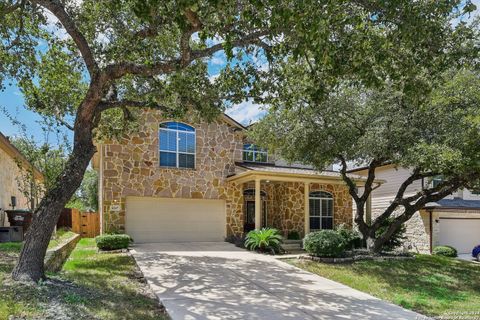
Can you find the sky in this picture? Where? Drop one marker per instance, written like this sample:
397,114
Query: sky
12,101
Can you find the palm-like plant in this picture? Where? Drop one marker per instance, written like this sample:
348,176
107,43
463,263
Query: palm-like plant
265,239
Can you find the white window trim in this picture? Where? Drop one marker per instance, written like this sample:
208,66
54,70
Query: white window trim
320,216
177,152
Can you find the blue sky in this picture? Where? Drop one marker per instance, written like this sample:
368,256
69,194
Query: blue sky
11,99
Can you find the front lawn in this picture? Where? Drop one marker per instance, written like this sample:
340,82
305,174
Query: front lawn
91,285
431,285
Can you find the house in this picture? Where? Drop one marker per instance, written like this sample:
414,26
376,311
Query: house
10,175
454,220
193,180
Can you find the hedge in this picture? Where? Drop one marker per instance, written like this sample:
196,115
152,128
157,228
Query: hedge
112,241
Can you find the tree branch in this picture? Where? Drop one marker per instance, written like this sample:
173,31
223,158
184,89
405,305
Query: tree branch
351,185
58,10
106,105
121,69
398,198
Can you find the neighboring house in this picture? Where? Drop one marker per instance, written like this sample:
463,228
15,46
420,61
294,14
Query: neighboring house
10,174
198,181
454,220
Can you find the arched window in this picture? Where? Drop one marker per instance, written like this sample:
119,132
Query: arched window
251,192
177,145
321,210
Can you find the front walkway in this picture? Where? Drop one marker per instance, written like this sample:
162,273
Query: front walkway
216,280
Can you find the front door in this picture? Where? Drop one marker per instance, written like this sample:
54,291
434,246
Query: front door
250,216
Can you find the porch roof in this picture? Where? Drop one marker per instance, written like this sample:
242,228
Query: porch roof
252,171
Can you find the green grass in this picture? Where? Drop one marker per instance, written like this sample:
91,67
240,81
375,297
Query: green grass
10,246
101,285
431,285
112,276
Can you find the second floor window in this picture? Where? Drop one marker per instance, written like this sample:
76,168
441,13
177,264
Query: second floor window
177,145
436,181
254,153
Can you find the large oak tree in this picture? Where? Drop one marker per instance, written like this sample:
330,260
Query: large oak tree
434,135
103,60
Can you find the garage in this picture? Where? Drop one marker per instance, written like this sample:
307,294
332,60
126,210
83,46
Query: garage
461,233
151,219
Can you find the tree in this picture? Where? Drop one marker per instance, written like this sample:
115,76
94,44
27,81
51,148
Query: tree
49,160
103,60
434,134
86,197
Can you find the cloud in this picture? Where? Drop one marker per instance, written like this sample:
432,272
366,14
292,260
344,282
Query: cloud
246,112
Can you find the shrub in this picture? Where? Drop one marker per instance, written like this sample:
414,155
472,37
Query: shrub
293,235
112,241
397,238
446,251
265,239
324,243
351,237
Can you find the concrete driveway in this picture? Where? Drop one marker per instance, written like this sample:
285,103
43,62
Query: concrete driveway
216,280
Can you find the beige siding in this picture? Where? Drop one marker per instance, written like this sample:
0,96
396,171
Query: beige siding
8,186
418,227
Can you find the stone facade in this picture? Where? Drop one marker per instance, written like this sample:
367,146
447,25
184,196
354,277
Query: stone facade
131,167
285,203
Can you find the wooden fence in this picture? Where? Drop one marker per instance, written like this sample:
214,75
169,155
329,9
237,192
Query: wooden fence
87,224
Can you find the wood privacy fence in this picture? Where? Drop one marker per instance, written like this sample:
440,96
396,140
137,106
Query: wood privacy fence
86,224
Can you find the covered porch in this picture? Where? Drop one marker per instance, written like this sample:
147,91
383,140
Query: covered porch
292,200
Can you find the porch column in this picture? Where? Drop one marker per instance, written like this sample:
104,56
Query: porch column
307,207
258,203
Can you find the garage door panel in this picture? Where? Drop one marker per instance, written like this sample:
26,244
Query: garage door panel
462,234
175,220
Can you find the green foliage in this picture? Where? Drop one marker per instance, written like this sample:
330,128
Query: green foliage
48,159
446,251
352,238
265,239
293,235
396,239
324,243
112,241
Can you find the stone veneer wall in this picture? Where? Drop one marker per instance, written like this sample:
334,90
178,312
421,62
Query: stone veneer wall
131,168
285,206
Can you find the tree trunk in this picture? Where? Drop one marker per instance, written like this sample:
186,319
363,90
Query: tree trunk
30,263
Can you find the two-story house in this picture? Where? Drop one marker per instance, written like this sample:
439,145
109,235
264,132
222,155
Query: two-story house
454,220
193,180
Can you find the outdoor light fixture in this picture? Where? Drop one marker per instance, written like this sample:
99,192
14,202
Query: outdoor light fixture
13,202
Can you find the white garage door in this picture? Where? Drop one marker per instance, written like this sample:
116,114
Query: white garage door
175,220
462,234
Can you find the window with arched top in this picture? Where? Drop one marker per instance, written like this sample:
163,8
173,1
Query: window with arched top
177,145
321,210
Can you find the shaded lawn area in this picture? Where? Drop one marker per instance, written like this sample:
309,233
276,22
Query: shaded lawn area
431,285
91,285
